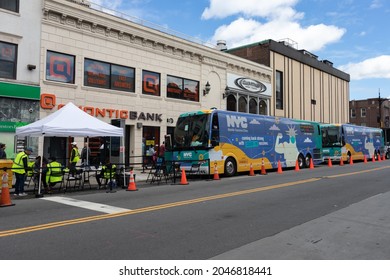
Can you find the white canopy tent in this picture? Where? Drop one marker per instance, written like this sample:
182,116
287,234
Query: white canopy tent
69,121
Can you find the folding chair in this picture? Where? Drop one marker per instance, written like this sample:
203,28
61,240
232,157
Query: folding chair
160,171
195,169
77,181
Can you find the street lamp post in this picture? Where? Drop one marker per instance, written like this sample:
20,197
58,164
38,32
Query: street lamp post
383,127
380,100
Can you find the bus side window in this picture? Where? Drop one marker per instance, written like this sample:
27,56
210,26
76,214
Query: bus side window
342,140
215,131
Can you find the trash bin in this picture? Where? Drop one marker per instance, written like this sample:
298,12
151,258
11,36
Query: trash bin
8,164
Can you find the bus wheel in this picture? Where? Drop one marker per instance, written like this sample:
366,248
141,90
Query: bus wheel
307,160
230,167
301,161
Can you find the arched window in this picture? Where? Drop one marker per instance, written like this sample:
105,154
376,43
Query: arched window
253,106
231,103
242,104
263,107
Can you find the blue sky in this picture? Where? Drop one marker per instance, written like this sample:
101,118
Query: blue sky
352,34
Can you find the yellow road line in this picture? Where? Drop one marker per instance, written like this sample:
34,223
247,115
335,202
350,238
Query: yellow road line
357,172
173,204
148,209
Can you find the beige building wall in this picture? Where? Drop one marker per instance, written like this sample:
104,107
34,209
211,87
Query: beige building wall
78,30
311,94
312,89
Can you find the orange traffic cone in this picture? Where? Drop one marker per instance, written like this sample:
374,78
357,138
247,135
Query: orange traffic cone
183,177
373,158
365,159
251,171
296,165
384,157
131,186
379,157
216,175
5,199
350,160
263,172
279,167
341,161
329,162
311,164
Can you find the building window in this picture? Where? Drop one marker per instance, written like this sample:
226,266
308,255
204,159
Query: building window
253,106
110,76
60,67
8,59
279,90
231,103
353,113
181,88
150,83
242,104
11,5
263,107
363,112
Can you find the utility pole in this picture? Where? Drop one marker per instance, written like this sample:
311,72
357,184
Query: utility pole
380,100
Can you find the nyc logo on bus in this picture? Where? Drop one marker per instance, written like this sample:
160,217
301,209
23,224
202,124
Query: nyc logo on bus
187,155
237,123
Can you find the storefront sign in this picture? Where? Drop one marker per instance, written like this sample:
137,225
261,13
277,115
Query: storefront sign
245,84
48,101
10,126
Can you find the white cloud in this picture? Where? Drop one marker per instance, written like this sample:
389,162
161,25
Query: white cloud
376,4
377,67
111,4
281,21
254,121
260,8
274,127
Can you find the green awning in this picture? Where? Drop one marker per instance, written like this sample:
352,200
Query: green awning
20,91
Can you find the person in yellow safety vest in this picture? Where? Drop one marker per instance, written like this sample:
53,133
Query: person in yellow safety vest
20,169
54,173
108,173
74,158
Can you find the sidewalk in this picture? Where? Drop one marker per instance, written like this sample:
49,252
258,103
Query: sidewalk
357,232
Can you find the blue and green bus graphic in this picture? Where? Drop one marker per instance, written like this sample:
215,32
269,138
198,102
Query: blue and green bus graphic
233,142
343,141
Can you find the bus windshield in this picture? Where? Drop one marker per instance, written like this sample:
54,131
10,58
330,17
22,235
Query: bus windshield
191,132
331,137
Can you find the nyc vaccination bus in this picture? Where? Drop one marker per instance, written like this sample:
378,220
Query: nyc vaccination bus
343,141
234,141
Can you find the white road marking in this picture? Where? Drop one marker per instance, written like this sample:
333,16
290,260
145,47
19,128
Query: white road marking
86,204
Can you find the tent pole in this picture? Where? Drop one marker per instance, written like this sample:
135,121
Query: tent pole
40,143
88,153
124,163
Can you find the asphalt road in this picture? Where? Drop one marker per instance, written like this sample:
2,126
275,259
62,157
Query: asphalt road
326,213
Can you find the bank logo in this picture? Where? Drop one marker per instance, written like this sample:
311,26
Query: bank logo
60,68
48,101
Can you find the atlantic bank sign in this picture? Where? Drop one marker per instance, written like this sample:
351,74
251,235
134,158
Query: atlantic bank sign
48,101
249,85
